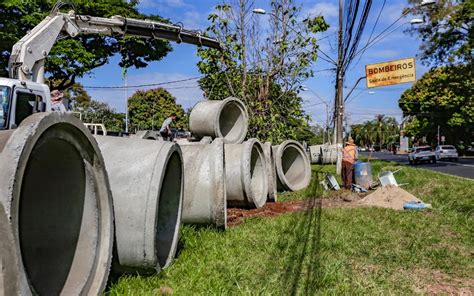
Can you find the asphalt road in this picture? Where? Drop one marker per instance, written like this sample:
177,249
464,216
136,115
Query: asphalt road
463,168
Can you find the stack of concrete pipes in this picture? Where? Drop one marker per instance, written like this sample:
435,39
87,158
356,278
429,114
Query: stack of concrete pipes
224,170
65,195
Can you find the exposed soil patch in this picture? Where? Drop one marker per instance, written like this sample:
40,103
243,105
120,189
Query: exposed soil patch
345,199
438,283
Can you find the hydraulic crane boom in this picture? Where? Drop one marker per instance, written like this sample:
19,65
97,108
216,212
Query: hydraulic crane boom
28,55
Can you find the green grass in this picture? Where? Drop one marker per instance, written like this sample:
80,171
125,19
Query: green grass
330,251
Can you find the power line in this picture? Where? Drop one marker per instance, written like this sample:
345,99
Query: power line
143,85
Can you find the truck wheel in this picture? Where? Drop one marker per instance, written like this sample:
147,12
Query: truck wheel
434,159
410,161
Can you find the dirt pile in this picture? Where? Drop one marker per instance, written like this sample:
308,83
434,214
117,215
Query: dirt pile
392,197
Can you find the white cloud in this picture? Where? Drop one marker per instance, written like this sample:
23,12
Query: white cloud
326,9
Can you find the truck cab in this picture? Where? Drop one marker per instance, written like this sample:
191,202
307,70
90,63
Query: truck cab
19,99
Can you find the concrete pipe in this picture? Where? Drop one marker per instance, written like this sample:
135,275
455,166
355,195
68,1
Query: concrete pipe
146,178
246,174
56,193
271,172
316,153
204,199
9,269
149,135
226,119
292,166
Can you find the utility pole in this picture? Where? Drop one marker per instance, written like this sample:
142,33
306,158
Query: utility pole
126,103
438,135
339,101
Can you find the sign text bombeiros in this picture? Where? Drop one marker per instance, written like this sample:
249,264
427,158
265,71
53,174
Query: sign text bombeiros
389,73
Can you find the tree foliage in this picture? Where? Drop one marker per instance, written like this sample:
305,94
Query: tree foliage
263,67
148,109
447,36
101,112
382,131
444,97
71,58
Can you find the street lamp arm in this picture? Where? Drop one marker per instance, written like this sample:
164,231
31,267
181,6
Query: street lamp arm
353,88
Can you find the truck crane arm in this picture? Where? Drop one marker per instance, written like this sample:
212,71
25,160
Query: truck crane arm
29,53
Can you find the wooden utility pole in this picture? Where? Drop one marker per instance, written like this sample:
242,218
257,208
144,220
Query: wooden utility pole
339,99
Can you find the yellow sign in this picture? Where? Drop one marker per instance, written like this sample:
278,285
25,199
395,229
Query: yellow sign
389,73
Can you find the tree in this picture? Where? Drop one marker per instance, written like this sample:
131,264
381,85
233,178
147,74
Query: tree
71,58
447,35
442,97
382,131
262,67
100,112
148,109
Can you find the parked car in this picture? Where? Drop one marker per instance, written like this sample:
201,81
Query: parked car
446,152
421,154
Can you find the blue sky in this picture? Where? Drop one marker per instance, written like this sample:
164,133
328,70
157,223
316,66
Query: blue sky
181,62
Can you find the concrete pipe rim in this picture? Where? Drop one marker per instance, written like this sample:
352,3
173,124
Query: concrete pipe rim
254,173
273,193
32,147
9,271
282,168
173,167
234,133
220,208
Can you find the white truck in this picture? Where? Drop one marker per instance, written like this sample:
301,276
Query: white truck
25,93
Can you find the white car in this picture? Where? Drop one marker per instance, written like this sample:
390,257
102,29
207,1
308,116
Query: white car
421,154
446,152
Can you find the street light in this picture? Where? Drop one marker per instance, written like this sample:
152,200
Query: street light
416,21
259,11
427,2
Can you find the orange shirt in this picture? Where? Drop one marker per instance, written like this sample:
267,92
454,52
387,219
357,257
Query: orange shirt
349,154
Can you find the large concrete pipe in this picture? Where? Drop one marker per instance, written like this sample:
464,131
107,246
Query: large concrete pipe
226,119
146,178
147,134
271,172
9,269
246,174
56,193
292,166
204,199
316,153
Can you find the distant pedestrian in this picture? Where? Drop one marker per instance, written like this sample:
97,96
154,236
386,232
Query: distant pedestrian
57,101
165,130
349,157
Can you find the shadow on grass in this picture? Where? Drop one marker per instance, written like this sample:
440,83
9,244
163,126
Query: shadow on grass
298,246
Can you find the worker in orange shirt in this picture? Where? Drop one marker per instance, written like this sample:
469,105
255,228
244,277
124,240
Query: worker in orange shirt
349,157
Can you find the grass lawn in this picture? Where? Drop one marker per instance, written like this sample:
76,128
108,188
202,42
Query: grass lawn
332,251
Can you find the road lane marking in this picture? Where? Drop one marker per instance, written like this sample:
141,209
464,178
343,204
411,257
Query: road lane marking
460,164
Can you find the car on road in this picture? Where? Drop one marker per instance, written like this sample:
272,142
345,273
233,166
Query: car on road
421,154
446,152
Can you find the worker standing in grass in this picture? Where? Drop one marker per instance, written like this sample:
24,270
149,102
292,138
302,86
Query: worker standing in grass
349,157
165,130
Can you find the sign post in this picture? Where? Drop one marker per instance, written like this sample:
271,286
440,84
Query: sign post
390,73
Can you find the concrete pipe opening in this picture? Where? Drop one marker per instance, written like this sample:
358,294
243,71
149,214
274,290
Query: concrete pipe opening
146,179
227,119
169,210
60,205
292,166
204,191
246,174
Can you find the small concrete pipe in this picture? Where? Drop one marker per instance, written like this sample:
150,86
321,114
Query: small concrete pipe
271,172
204,199
146,178
246,174
9,269
55,190
226,119
292,166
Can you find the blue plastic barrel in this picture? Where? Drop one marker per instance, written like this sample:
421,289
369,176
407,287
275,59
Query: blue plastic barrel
363,174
